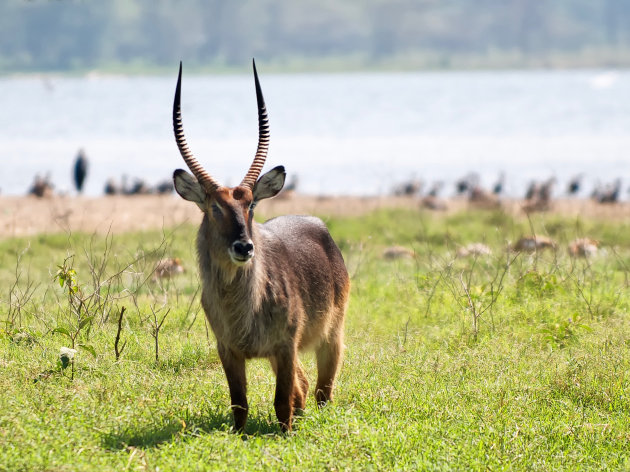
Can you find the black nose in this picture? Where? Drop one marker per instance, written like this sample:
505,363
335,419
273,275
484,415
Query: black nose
243,248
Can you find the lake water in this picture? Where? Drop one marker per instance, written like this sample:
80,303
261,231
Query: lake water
353,133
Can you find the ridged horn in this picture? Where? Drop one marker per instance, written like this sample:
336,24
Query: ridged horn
263,137
198,171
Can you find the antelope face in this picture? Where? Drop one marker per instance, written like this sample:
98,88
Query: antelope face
229,210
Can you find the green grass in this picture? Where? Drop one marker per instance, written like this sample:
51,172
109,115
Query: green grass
502,363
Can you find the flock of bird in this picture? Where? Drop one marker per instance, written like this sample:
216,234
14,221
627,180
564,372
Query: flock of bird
538,194
537,197
43,186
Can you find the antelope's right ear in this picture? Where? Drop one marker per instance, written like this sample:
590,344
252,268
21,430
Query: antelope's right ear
270,184
188,187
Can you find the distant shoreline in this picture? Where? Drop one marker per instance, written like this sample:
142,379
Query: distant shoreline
603,59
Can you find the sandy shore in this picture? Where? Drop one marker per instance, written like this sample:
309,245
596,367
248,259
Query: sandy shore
23,216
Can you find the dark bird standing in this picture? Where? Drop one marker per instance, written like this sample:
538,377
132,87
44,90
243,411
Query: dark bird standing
80,170
435,189
498,186
574,185
111,188
41,187
532,190
610,194
466,183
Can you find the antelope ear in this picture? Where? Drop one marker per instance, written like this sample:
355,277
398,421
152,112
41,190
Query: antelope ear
188,187
269,184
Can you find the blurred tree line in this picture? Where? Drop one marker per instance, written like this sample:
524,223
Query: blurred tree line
63,35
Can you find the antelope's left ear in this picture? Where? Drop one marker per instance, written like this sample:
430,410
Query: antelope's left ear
269,184
188,188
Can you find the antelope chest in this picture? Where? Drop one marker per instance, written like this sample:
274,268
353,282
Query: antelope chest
253,334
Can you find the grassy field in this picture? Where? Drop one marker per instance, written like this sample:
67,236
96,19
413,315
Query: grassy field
503,362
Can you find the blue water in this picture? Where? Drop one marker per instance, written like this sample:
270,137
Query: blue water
339,133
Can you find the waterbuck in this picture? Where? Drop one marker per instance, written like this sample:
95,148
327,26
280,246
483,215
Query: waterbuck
268,290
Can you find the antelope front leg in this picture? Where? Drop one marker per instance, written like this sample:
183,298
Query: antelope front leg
234,366
285,384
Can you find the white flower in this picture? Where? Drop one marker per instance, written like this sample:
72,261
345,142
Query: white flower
67,352
66,355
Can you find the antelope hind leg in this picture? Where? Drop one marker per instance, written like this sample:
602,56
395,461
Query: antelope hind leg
300,386
234,367
329,355
301,389
287,388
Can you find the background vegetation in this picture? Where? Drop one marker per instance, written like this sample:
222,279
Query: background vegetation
68,35
511,361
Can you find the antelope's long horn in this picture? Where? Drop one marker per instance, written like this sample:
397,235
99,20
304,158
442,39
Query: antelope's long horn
263,137
198,171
